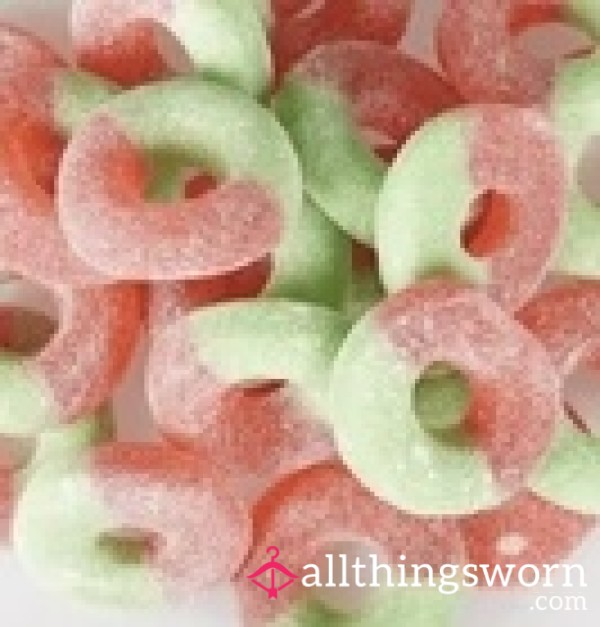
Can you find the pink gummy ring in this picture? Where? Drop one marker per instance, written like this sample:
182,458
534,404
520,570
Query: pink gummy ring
199,534
101,191
77,370
481,56
301,25
312,510
498,432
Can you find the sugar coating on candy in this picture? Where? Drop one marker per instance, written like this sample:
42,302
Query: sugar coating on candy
326,504
28,69
575,114
301,26
483,58
260,435
223,38
79,367
195,360
565,319
262,169
32,241
525,530
194,533
204,533
489,147
341,101
514,400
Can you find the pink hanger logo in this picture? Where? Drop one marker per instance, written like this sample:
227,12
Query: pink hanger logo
273,567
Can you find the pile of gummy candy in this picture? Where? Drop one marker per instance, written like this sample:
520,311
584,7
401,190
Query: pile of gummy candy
361,289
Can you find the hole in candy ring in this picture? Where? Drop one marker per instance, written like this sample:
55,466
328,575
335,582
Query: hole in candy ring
441,399
489,227
128,545
587,170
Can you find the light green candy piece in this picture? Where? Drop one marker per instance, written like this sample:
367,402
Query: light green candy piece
424,203
381,438
586,14
315,262
58,525
270,340
226,40
575,108
569,474
341,173
27,405
408,606
78,94
363,291
199,124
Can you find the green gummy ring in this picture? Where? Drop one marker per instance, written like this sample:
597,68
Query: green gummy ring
575,110
342,174
511,418
199,357
428,194
418,607
224,39
120,486
201,124
313,264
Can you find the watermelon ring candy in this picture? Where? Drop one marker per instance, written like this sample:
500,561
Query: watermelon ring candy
224,39
566,320
195,361
489,148
496,417
324,505
335,99
75,372
481,55
227,228
300,26
193,533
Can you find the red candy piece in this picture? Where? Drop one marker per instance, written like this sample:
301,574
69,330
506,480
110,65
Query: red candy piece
28,68
566,319
116,40
131,240
482,58
301,25
526,530
391,94
199,535
311,510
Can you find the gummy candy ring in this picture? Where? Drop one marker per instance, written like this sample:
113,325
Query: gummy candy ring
193,534
334,100
195,361
479,51
421,218
323,506
224,39
566,319
452,444
106,166
299,26
76,371
259,434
